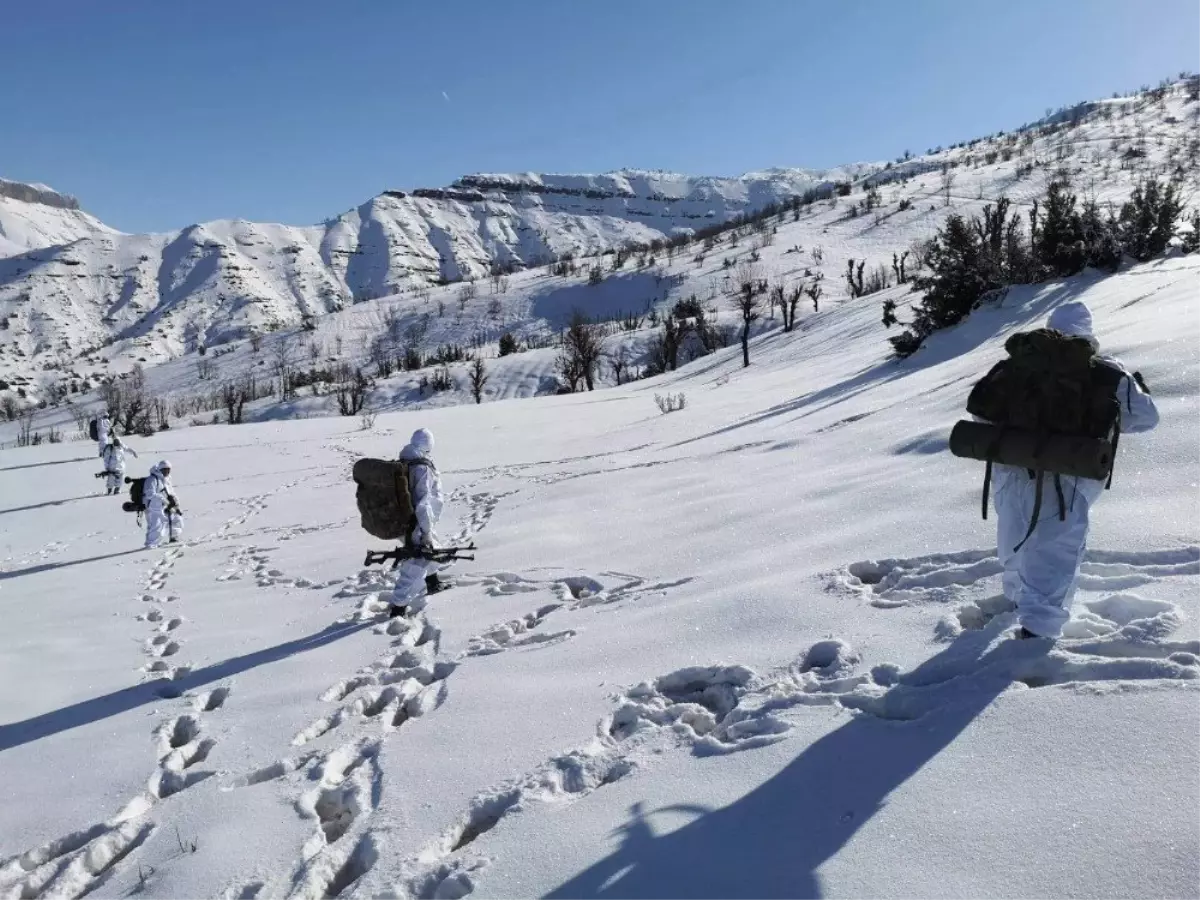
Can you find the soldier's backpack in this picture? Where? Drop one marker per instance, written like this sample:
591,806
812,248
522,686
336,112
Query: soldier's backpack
137,495
94,430
384,497
1050,407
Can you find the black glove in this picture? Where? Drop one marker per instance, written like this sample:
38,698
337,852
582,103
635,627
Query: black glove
1141,382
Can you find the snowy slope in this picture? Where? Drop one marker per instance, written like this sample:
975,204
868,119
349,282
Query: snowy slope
106,301
33,216
753,648
156,296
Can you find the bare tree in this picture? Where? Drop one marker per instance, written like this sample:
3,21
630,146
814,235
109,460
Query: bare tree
352,392
664,350
569,370
255,341
619,362
27,437
748,301
466,294
920,250
947,183
479,378
282,362
499,280
204,368
234,395
79,415
112,395
814,294
382,357
11,408
788,304
160,411
135,414
583,347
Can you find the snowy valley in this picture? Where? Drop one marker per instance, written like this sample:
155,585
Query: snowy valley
756,646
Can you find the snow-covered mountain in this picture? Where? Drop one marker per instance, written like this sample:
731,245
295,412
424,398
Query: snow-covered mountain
78,284
33,216
95,301
754,648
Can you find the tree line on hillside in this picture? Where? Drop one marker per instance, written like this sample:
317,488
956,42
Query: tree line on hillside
971,257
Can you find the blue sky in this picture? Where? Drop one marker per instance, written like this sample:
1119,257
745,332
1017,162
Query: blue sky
157,114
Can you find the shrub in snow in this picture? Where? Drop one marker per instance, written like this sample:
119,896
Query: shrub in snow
442,380
670,403
508,344
687,309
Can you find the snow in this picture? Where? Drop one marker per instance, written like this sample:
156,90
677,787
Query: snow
77,291
755,647
97,302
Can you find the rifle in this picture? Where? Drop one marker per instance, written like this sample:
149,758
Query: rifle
434,554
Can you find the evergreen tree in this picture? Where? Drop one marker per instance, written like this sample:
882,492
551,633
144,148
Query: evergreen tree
1100,236
1060,248
1149,219
957,281
1191,240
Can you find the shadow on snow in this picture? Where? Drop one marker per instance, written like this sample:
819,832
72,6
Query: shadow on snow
99,708
771,842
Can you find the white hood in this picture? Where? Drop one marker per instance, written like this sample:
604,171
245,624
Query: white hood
1074,319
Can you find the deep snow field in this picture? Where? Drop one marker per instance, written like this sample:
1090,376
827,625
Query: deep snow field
752,648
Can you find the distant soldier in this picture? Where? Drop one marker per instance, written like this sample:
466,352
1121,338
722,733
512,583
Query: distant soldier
418,577
100,430
162,508
114,464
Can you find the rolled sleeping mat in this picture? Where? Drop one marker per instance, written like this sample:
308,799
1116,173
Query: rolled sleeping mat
1065,454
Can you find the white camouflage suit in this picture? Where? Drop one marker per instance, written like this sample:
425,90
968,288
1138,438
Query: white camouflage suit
162,512
1040,578
426,487
103,433
114,464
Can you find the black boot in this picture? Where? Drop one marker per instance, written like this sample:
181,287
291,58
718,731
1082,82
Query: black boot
434,585
1024,634
395,612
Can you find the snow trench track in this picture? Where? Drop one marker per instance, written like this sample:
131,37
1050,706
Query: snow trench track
333,771
80,862
332,774
1120,641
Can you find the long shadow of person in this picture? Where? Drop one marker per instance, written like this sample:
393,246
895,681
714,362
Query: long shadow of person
771,842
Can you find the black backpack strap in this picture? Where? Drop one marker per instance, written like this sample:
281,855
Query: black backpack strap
987,484
1115,442
987,471
1037,509
1062,501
